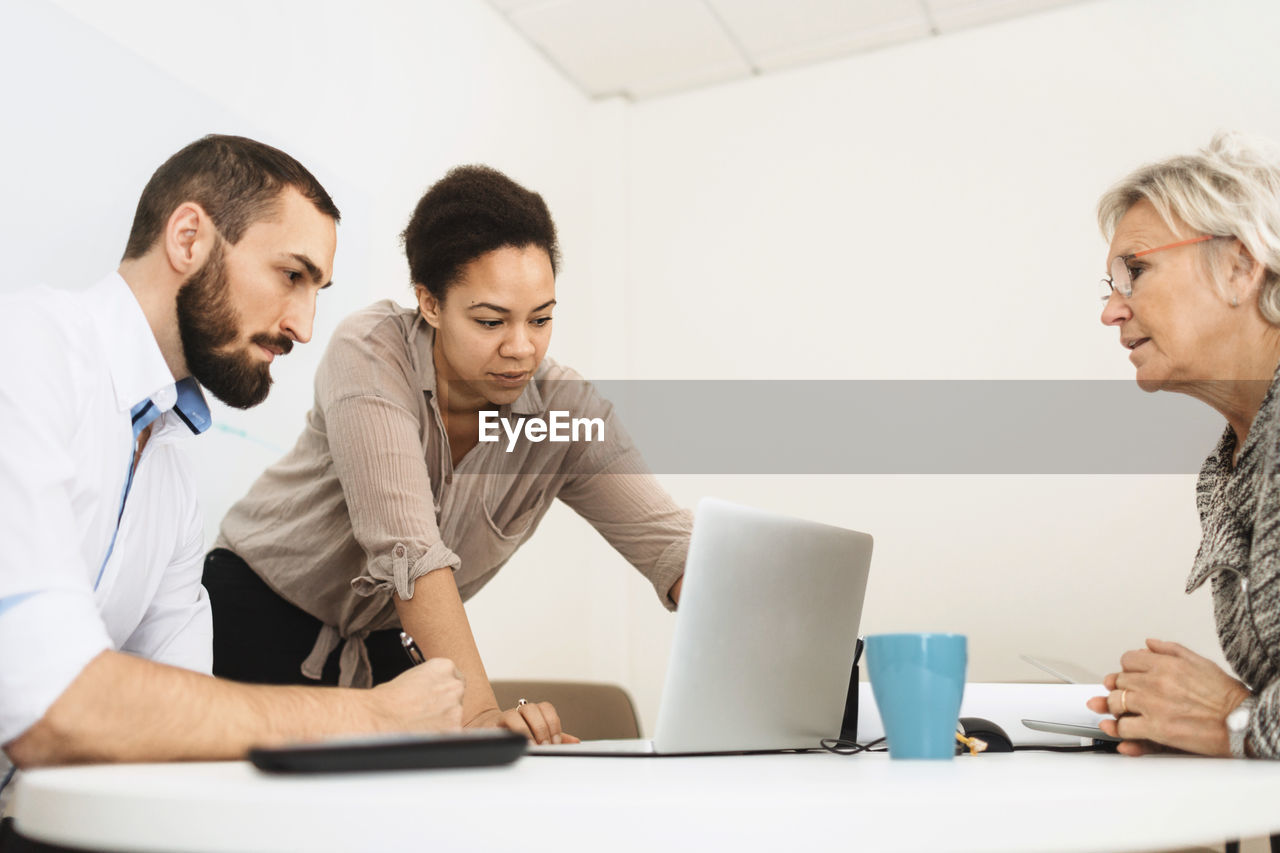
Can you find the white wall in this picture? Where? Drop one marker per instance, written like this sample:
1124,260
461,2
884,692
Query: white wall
378,100
923,212
927,212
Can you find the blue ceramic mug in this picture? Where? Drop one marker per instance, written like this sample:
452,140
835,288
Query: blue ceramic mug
918,682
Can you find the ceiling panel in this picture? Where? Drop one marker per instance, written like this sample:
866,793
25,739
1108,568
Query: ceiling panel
641,48
633,47
510,5
951,15
777,35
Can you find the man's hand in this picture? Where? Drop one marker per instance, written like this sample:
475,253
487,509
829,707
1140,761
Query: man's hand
427,697
1168,696
168,713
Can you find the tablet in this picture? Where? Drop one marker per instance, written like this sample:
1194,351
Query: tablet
400,751
1070,729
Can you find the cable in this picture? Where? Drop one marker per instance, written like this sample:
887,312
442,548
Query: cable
1096,746
849,747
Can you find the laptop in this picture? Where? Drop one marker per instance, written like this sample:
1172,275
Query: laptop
765,637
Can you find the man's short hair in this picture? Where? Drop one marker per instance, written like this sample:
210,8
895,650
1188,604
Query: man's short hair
470,212
236,180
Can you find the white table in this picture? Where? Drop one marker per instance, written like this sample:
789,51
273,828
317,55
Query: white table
1021,801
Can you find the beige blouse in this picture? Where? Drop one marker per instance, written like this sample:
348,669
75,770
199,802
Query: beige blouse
369,500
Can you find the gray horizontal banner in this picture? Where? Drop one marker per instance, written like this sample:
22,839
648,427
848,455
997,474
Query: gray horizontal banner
888,427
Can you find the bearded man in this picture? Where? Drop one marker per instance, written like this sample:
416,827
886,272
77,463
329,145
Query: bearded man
105,630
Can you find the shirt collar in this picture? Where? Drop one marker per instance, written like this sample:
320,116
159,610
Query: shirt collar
191,405
1261,430
530,400
528,403
136,365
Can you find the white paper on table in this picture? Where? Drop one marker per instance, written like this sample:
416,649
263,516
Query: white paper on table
1006,705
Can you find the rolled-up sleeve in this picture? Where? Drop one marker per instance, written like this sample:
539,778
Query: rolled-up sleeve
50,628
46,640
375,440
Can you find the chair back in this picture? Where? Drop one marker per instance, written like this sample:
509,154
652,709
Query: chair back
590,710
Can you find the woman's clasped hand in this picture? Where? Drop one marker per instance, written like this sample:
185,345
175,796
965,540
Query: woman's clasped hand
1167,697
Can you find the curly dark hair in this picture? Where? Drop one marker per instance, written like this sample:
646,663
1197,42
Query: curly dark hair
469,212
236,180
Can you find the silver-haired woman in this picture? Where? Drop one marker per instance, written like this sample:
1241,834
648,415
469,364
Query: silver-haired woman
1194,291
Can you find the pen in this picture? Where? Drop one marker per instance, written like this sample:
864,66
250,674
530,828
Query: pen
411,649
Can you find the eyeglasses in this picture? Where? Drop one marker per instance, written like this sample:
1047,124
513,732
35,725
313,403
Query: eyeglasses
1121,278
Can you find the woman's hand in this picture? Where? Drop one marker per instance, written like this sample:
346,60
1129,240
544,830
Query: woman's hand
538,721
1169,696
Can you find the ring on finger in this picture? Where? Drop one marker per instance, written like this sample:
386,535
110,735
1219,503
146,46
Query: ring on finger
521,701
1124,701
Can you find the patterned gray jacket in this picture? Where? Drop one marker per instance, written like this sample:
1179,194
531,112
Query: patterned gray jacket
1240,523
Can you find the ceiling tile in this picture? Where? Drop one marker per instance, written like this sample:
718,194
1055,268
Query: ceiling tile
641,48
955,14
635,47
684,79
511,5
777,34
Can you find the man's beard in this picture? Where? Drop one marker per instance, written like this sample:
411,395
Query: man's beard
208,324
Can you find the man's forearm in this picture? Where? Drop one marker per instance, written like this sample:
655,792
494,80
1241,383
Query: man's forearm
122,708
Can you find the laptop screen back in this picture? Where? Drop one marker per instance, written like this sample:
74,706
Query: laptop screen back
765,637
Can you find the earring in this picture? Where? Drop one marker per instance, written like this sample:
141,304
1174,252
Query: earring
1235,301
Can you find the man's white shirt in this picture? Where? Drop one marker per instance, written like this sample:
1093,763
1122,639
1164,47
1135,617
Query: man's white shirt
73,366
